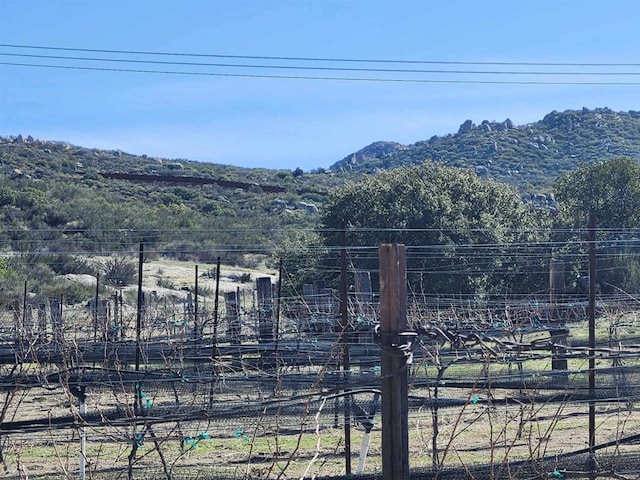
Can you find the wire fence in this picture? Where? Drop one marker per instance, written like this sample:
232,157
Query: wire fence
254,385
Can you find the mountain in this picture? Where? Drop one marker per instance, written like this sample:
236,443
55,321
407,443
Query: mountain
531,156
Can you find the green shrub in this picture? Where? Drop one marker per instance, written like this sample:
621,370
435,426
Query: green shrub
119,271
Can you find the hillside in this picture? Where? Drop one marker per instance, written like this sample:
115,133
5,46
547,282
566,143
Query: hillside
86,198
529,156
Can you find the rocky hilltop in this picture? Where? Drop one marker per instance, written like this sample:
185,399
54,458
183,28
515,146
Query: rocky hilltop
531,156
370,152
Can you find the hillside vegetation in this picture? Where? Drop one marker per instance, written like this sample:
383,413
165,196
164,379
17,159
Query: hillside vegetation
81,196
58,200
531,157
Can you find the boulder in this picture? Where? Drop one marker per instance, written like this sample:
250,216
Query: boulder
82,279
466,127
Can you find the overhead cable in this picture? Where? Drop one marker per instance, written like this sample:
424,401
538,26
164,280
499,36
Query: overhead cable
321,68
325,78
321,59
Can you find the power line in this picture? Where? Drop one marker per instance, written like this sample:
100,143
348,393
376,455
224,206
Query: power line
303,67
325,78
323,59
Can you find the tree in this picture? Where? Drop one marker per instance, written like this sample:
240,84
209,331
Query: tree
464,235
610,189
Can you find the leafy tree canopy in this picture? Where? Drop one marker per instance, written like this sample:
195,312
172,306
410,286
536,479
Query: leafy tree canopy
610,189
430,207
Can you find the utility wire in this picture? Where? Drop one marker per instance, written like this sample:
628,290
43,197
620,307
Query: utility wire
303,67
326,78
321,59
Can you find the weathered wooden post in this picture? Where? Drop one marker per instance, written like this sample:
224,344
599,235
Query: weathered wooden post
393,363
363,286
265,309
558,332
232,316
556,286
264,293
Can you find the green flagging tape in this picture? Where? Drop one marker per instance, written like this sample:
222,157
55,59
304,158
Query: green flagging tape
144,397
138,440
147,401
557,474
192,442
242,435
475,400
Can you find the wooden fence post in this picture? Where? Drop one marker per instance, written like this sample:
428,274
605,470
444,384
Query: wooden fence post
558,332
265,309
232,317
393,363
556,286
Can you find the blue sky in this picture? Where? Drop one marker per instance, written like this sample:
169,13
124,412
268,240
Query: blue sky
289,123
